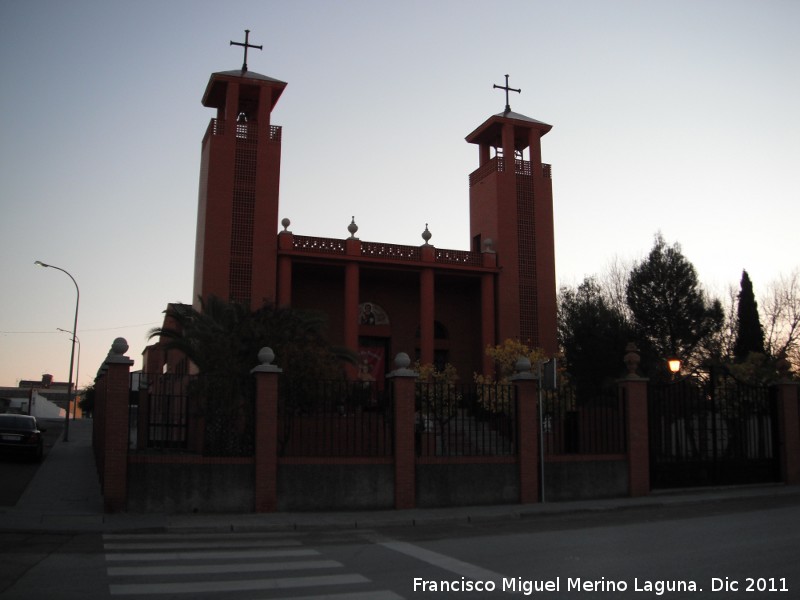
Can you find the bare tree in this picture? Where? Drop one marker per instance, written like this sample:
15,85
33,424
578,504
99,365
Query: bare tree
614,282
781,311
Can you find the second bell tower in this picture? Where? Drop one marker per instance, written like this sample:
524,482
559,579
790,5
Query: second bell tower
237,213
511,204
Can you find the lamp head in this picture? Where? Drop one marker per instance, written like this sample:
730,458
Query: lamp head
674,365
39,263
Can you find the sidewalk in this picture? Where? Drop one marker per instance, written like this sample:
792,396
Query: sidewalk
65,496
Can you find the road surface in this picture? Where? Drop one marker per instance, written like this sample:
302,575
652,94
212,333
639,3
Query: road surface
712,550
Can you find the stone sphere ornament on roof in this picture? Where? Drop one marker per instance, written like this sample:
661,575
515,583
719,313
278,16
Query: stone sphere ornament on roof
286,222
352,228
426,235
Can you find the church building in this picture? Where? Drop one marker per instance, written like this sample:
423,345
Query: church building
438,305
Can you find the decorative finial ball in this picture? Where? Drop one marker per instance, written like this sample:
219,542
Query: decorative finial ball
426,235
285,222
523,365
488,245
120,346
352,228
632,358
266,355
402,361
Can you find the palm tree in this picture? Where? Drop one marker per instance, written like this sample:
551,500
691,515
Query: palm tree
222,339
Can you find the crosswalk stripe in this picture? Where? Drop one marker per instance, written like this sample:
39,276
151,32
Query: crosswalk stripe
207,544
442,561
196,587
223,568
114,537
158,556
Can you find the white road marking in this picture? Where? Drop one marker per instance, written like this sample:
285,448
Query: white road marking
156,556
197,587
298,565
442,561
206,544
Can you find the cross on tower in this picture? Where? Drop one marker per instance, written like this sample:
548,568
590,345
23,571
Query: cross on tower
247,45
507,89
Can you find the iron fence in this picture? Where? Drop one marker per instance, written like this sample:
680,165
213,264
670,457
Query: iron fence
594,425
334,418
712,431
466,420
209,415
162,412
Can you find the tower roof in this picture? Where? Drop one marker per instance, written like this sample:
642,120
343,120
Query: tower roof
491,130
214,95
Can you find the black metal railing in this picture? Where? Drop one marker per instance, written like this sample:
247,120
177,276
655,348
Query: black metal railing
172,408
715,431
594,425
162,412
334,418
466,420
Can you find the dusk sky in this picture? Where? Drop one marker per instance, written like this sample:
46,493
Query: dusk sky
675,116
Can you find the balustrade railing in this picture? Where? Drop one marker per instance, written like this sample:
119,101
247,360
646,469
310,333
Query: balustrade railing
318,244
497,165
248,131
395,251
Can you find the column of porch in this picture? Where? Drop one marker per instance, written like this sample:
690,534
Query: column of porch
427,302
487,320
285,242
352,286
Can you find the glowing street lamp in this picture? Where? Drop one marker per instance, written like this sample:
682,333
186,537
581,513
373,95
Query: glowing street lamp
674,365
72,354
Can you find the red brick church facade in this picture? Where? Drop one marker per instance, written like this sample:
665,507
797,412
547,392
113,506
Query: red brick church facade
438,304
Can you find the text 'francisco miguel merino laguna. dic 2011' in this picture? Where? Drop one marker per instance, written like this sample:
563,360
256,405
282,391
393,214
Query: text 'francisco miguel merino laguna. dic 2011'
528,587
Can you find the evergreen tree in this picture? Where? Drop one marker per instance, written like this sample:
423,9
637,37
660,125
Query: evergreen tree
669,308
592,334
749,333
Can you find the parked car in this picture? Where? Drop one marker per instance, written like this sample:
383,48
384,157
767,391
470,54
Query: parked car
21,435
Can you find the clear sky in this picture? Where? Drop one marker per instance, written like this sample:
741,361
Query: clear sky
679,116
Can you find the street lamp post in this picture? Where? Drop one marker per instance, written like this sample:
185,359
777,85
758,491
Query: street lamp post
77,374
72,354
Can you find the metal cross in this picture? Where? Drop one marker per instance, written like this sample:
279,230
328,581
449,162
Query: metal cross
507,89
247,45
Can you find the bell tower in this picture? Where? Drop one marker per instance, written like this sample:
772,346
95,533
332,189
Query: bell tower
237,212
511,204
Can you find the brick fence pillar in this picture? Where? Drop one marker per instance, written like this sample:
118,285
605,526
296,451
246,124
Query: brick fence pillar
633,396
98,422
789,427
115,414
266,433
404,381
527,385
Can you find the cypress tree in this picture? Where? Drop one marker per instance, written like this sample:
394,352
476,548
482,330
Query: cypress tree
749,333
